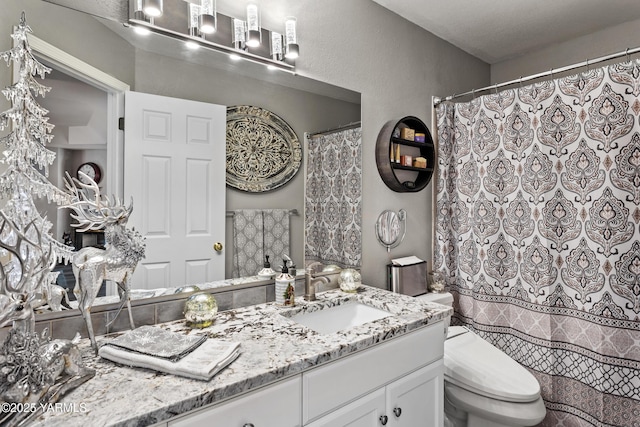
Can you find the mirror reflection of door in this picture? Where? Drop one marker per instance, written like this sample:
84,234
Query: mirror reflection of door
174,166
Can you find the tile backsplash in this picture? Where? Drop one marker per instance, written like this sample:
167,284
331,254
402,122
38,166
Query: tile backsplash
149,311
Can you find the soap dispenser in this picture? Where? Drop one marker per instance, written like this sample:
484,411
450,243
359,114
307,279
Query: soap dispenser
285,286
267,272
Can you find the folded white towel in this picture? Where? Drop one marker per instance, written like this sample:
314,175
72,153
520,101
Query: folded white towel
201,364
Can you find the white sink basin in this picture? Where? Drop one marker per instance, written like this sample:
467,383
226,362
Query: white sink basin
340,317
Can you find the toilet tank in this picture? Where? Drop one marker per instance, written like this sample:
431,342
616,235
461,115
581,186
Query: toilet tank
444,298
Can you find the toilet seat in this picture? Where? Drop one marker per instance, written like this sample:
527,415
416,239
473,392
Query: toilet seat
475,365
497,411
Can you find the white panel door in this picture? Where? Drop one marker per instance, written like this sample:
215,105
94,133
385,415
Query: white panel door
174,168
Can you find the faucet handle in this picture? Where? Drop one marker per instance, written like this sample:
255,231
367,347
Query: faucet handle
312,267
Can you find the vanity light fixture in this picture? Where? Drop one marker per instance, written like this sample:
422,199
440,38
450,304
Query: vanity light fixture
239,34
254,36
194,15
152,8
293,50
277,53
138,13
207,19
203,18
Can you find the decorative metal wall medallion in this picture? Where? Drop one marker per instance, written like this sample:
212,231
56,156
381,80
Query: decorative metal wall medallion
263,152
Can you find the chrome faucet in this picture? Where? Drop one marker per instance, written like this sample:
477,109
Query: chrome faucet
310,282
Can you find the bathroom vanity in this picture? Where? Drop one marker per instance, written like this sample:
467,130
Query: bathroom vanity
385,371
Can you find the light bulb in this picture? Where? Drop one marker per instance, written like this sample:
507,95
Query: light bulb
207,18
253,26
152,8
291,38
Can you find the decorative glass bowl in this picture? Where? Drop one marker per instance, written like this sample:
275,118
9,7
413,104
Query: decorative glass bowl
437,282
349,280
200,310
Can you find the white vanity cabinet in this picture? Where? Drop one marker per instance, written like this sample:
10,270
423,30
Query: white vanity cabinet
276,405
412,401
401,380
396,383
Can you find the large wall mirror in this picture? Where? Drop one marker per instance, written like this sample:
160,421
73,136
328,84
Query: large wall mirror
162,66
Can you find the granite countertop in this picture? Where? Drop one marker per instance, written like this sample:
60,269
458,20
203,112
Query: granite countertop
273,347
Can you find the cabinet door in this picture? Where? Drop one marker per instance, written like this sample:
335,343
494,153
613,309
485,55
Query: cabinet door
364,412
417,400
274,406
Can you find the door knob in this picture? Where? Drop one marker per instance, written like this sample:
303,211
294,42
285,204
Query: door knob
383,420
217,246
397,412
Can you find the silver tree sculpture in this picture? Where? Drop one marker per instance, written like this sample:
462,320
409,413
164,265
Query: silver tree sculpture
124,247
33,368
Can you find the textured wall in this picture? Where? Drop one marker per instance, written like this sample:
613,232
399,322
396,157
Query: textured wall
601,43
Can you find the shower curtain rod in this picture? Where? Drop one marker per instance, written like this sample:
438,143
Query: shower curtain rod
587,63
351,125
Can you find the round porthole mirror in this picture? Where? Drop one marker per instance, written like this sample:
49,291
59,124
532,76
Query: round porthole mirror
390,228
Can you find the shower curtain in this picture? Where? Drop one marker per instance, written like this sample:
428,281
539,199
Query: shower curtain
256,234
538,234
333,199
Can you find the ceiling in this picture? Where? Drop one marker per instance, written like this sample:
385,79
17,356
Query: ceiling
497,30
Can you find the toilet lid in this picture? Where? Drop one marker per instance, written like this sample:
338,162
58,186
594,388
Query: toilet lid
475,365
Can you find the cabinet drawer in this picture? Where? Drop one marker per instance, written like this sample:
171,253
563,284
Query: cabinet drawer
335,384
277,405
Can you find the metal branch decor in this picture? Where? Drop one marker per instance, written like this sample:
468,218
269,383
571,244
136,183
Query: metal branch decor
263,152
34,369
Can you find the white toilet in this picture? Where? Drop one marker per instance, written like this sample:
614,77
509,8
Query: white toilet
484,387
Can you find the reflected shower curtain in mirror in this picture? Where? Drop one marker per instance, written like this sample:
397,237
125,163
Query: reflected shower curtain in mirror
537,231
333,199
257,233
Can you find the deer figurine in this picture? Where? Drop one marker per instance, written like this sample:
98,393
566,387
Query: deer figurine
124,248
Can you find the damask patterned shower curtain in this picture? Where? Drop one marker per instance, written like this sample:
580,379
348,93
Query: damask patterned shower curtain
333,202
538,232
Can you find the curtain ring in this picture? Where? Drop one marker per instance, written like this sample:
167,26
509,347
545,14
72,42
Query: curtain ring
495,87
520,82
626,52
473,93
588,65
